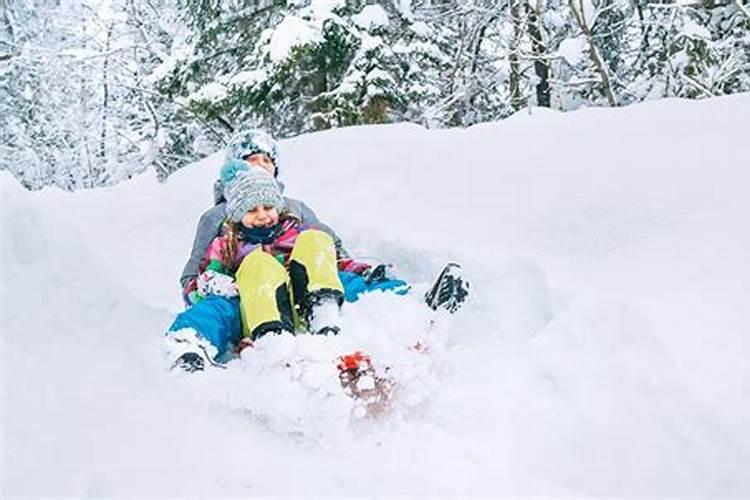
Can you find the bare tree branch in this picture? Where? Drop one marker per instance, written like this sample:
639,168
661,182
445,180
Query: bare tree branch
743,7
596,57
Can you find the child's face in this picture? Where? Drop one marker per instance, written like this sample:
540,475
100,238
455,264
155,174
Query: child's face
261,216
263,161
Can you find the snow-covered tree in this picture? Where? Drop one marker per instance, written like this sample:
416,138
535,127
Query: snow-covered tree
698,50
305,67
77,110
159,83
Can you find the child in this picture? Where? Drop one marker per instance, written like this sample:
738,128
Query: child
268,272
256,148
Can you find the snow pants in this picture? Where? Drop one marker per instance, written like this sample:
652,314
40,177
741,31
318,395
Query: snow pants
355,285
270,297
215,318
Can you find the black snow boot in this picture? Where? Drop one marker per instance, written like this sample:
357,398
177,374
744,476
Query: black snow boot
190,362
325,314
450,291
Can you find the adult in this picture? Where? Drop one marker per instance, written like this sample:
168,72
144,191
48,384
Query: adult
257,148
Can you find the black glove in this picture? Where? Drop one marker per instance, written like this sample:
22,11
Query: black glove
378,274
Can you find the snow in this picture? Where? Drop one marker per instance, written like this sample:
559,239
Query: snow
421,29
554,18
590,11
294,31
680,60
210,92
379,75
78,53
291,32
370,43
178,53
372,16
350,83
604,351
404,6
572,50
248,78
428,49
323,9
692,29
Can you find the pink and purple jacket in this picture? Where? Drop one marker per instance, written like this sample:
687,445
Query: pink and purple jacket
281,248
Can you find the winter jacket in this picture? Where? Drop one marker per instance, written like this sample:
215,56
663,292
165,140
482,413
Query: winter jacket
216,278
209,227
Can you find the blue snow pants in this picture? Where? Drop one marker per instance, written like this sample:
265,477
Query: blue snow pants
218,319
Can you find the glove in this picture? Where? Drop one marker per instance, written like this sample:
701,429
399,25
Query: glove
211,282
378,274
243,344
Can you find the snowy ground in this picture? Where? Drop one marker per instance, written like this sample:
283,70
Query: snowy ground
605,351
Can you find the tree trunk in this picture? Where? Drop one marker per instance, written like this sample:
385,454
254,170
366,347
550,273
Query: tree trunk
477,44
539,49
516,101
596,57
743,7
100,170
11,35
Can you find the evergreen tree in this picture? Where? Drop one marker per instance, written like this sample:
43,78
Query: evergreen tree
160,83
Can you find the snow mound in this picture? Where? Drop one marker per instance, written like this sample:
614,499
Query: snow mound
603,352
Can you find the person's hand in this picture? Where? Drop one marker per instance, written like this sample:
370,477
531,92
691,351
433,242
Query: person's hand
378,274
211,282
243,344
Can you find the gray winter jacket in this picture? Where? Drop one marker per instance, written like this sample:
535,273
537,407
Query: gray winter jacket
209,227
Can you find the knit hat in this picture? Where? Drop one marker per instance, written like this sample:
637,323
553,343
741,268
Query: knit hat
246,188
253,141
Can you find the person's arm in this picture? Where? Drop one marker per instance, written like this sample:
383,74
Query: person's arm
216,278
209,227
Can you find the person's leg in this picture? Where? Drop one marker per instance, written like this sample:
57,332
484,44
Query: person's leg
314,275
355,285
209,327
265,305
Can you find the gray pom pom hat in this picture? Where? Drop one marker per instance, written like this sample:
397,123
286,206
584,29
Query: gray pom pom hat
247,188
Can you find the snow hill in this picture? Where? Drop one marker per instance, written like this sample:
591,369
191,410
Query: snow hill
605,350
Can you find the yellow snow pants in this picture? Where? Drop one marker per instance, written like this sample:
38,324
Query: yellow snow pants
269,303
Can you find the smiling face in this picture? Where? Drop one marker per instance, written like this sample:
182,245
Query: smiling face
263,161
261,216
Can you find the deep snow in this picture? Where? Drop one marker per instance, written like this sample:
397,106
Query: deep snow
604,352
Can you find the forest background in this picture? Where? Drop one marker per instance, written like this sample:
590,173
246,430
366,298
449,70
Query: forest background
93,92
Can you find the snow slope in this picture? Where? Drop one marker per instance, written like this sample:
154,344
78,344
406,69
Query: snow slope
605,350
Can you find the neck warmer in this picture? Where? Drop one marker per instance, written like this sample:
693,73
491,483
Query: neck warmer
258,235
